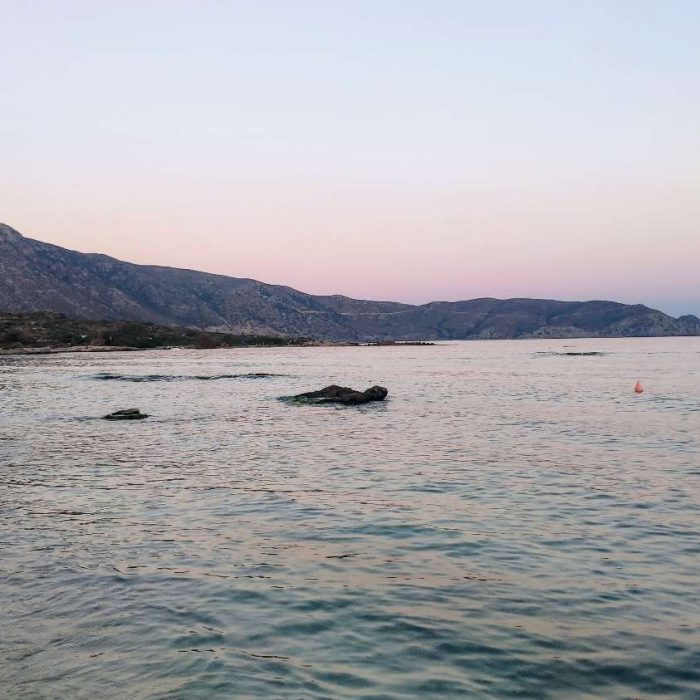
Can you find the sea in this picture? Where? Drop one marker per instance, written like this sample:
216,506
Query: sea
513,521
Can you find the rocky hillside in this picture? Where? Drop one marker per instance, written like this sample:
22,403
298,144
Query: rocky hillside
36,276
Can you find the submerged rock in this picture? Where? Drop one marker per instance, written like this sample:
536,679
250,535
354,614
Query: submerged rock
126,414
344,394
592,353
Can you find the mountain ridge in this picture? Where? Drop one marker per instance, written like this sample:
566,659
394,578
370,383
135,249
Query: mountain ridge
38,276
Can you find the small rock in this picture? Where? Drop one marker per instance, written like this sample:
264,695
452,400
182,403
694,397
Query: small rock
126,414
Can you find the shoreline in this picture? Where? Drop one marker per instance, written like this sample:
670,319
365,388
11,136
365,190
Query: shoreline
80,349
50,350
77,349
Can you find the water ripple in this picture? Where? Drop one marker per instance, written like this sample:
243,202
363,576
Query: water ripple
510,524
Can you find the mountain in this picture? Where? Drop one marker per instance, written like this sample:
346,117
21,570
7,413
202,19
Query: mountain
36,276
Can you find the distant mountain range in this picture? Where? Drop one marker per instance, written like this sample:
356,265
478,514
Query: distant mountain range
36,276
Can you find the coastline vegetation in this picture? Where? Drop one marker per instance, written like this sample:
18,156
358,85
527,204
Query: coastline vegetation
32,331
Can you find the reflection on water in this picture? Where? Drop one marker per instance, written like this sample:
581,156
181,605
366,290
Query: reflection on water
512,522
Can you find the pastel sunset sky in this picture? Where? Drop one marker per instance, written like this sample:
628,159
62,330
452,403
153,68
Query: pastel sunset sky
394,149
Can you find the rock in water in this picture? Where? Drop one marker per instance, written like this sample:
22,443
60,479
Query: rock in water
126,414
344,394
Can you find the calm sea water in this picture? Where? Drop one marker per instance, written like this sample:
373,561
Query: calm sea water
510,523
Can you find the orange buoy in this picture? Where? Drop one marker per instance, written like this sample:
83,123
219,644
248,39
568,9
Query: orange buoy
638,388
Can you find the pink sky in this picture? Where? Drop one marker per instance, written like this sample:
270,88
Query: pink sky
413,248
393,150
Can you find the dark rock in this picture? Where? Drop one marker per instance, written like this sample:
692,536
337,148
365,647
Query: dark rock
344,394
126,414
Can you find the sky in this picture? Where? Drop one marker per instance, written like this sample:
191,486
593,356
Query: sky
383,149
